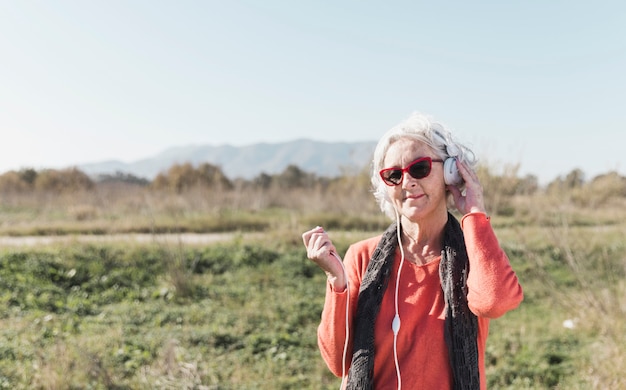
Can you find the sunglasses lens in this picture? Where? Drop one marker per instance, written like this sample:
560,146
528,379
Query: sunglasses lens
420,169
392,176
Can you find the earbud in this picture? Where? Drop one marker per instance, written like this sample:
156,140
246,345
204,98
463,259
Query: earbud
451,175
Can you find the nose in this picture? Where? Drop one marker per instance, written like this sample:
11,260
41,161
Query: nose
408,181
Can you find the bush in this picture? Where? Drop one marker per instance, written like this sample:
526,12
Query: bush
66,180
183,177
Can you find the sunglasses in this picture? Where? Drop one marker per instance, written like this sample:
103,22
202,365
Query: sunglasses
418,169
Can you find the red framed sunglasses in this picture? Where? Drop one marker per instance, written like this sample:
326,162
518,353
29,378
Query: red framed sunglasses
418,169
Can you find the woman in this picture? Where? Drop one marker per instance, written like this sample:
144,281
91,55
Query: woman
412,306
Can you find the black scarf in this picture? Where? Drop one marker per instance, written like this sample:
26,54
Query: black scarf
461,325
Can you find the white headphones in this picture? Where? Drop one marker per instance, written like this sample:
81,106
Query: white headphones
451,175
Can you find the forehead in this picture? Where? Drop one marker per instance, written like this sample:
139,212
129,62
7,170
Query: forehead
405,150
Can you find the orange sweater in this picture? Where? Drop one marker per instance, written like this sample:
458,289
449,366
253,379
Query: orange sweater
493,289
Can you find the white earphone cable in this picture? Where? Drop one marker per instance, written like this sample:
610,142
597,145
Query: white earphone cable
345,343
395,325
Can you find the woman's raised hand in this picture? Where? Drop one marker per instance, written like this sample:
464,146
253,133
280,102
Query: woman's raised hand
320,250
472,201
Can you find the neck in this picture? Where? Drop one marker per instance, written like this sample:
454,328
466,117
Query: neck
422,241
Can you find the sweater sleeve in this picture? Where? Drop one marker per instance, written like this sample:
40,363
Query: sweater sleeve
493,287
331,333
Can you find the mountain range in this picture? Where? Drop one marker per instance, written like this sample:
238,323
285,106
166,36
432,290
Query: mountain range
328,159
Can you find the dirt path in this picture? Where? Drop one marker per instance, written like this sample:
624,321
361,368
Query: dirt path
183,238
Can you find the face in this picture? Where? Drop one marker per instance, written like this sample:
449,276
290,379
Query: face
415,199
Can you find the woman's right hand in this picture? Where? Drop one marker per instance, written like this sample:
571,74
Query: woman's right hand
320,250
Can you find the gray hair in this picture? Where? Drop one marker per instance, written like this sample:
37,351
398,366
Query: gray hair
423,128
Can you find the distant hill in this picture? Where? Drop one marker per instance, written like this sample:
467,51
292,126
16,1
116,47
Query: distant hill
329,159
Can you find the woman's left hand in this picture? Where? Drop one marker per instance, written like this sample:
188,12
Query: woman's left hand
472,201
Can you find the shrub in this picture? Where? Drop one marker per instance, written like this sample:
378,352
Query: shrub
66,180
183,177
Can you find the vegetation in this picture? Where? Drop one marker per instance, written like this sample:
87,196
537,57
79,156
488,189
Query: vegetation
242,313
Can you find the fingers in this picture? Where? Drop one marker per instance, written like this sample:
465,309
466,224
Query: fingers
320,250
312,237
306,236
468,175
318,244
471,199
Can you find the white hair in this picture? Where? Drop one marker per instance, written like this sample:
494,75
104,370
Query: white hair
423,128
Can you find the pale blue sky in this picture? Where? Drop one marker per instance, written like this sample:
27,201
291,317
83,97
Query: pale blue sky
539,83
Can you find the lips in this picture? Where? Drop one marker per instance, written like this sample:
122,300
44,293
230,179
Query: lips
413,196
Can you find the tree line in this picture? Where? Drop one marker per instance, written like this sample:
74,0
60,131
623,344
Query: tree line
182,177
178,178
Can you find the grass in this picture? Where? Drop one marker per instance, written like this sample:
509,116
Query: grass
228,316
243,313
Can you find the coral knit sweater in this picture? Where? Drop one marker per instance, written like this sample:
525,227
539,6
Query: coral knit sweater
493,289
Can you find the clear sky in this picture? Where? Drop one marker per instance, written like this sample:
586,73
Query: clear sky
536,83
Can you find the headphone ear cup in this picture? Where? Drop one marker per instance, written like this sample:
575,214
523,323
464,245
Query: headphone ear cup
451,175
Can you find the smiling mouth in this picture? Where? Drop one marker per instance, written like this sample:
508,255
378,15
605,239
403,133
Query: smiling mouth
416,196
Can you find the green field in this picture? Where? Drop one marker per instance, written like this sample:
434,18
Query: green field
242,313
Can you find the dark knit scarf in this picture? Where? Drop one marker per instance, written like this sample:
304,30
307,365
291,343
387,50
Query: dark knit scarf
461,325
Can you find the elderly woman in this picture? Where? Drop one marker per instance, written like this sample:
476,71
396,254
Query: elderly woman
411,307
